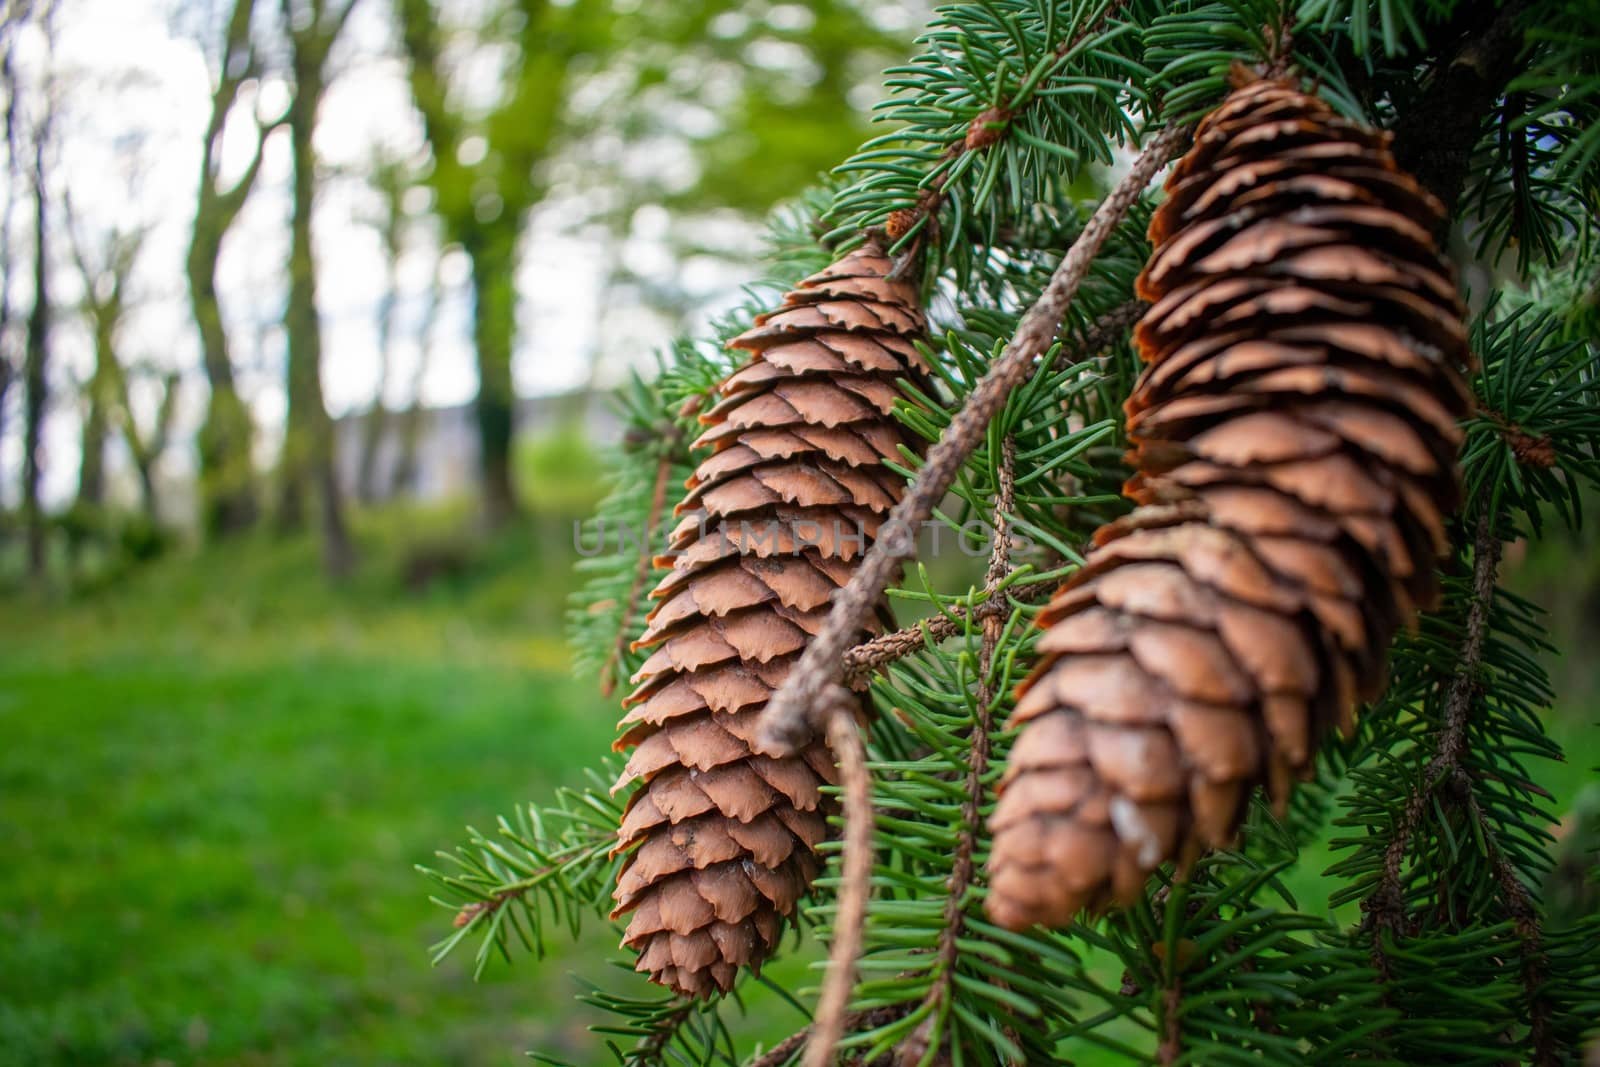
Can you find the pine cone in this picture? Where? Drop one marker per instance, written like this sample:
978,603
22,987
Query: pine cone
721,839
1295,439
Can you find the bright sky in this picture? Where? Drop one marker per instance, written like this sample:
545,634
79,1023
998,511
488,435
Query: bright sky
135,93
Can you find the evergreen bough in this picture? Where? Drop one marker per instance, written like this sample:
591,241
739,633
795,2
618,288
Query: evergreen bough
1003,185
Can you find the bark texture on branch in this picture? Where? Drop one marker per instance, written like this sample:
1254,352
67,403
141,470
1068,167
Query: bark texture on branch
788,724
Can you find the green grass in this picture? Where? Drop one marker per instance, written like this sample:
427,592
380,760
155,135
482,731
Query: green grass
216,778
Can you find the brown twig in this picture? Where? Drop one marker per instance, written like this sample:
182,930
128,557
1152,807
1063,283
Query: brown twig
874,655
963,868
855,882
641,574
1386,906
879,652
1171,1023
988,128
779,1054
664,1033
1528,449
785,723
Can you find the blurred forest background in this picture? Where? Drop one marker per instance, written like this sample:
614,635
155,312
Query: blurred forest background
308,318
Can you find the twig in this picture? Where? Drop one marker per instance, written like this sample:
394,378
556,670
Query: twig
641,574
785,725
665,1031
987,129
779,1054
1526,448
873,655
855,883
963,867
1386,906
1171,1023
881,651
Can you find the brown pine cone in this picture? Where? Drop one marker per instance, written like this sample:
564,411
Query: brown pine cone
721,838
1295,439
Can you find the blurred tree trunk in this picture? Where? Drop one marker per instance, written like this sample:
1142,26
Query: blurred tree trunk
483,198
227,476
308,460
391,183
35,367
410,429
147,449
105,281
8,252
494,327
92,439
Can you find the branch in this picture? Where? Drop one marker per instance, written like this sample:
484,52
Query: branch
779,1054
1386,906
963,868
1171,1047
870,656
783,1051
1435,136
784,724
231,201
665,1030
989,128
419,35
855,884
230,77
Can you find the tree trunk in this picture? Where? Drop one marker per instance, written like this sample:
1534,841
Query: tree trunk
493,255
147,449
35,367
227,477
372,431
308,439
409,431
149,501
8,374
377,418
92,465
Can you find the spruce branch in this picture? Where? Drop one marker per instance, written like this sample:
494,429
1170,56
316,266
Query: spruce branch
784,722
1447,778
548,860
1385,908
964,868
988,129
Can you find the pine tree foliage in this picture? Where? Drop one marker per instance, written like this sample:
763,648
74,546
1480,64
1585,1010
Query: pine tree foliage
1427,940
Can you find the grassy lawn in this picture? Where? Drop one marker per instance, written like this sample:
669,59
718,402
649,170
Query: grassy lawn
215,781
216,777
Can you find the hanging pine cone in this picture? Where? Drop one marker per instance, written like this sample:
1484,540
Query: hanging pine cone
721,839
1295,438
